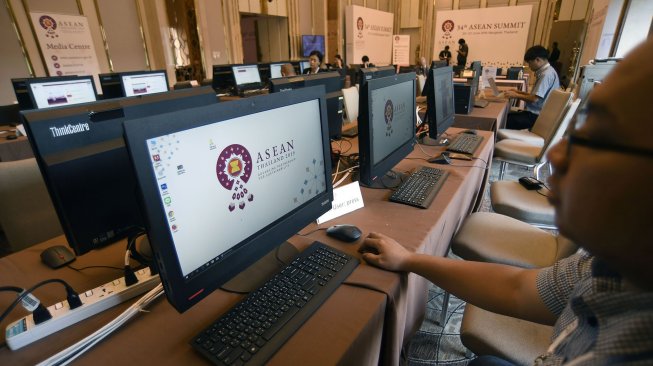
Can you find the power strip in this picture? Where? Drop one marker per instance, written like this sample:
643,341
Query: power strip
24,331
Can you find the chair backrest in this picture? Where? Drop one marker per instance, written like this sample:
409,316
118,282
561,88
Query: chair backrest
9,114
562,128
351,103
26,212
421,81
551,114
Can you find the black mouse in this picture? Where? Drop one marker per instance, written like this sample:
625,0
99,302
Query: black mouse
344,232
470,132
57,256
440,159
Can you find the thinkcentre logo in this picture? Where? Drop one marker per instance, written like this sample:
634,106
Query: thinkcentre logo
69,129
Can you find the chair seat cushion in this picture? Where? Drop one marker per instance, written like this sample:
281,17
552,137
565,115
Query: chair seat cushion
512,199
521,135
517,150
496,238
516,340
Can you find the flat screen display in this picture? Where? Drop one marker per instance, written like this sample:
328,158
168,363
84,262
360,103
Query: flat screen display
246,74
56,92
145,83
312,43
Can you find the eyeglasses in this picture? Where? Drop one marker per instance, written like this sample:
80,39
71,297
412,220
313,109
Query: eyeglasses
575,138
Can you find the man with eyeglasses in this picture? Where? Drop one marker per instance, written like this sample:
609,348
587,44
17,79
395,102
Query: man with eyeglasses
600,300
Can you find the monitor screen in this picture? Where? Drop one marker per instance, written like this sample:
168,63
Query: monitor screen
61,91
303,65
213,201
22,95
312,43
111,85
82,156
223,79
144,82
386,124
332,83
246,74
275,70
368,73
439,100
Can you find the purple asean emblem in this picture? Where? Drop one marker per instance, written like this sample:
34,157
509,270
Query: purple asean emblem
49,24
234,168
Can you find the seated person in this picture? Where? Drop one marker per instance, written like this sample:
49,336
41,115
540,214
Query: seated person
338,63
599,300
315,61
422,68
287,70
546,79
366,62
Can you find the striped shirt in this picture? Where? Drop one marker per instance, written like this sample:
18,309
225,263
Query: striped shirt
603,320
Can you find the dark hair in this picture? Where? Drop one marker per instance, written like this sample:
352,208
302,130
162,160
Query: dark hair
535,52
446,47
461,41
316,53
365,59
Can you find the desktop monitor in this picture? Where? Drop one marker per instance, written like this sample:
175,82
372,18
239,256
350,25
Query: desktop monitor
386,125
111,85
303,65
22,95
275,69
245,176
367,73
478,71
439,63
247,77
514,72
592,74
82,157
144,82
223,79
312,43
59,91
332,83
439,100
264,71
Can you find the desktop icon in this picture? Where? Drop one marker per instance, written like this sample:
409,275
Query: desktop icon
167,200
156,157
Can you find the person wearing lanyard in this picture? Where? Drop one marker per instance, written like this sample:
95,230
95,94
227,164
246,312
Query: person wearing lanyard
599,300
546,79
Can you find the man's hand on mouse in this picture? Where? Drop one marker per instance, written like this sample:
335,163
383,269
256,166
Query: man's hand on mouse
382,251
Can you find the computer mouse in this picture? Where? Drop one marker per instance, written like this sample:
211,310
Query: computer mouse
470,132
344,232
440,159
57,256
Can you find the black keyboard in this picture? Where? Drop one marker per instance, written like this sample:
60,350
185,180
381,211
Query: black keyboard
254,329
465,143
421,187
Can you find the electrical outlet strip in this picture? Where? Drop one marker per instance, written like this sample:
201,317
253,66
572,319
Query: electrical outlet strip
24,331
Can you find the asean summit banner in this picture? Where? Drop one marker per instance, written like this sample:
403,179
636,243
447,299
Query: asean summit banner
66,44
495,36
368,33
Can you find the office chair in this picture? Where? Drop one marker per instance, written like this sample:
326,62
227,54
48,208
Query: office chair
26,212
421,81
531,206
510,151
9,114
491,237
351,104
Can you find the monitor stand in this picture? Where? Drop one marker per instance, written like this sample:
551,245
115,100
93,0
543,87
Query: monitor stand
391,179
261,271
429,141
350,132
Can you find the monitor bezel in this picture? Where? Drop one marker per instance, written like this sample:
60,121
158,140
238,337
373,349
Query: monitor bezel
368,73
118,82
369,172
182,293
436,128
146,72
22,95
48,79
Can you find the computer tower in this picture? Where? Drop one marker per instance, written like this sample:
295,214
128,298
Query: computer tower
463,98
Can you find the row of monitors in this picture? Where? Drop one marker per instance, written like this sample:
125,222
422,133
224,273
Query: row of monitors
48,92
235,78
192,170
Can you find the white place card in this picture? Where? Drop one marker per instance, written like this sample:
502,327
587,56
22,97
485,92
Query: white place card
345,200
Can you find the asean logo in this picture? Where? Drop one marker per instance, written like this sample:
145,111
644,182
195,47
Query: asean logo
388,114
234,168
447,27
50,25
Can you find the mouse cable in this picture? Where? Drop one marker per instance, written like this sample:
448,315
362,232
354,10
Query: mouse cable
89,267
71,296
71,353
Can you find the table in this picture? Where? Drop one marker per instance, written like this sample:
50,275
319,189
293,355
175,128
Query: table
490,118
366,321
16,149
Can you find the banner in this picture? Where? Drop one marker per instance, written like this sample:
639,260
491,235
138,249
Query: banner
495,36
66,45
401,50
368,33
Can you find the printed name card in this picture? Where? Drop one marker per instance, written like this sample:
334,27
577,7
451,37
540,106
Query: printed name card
345,200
